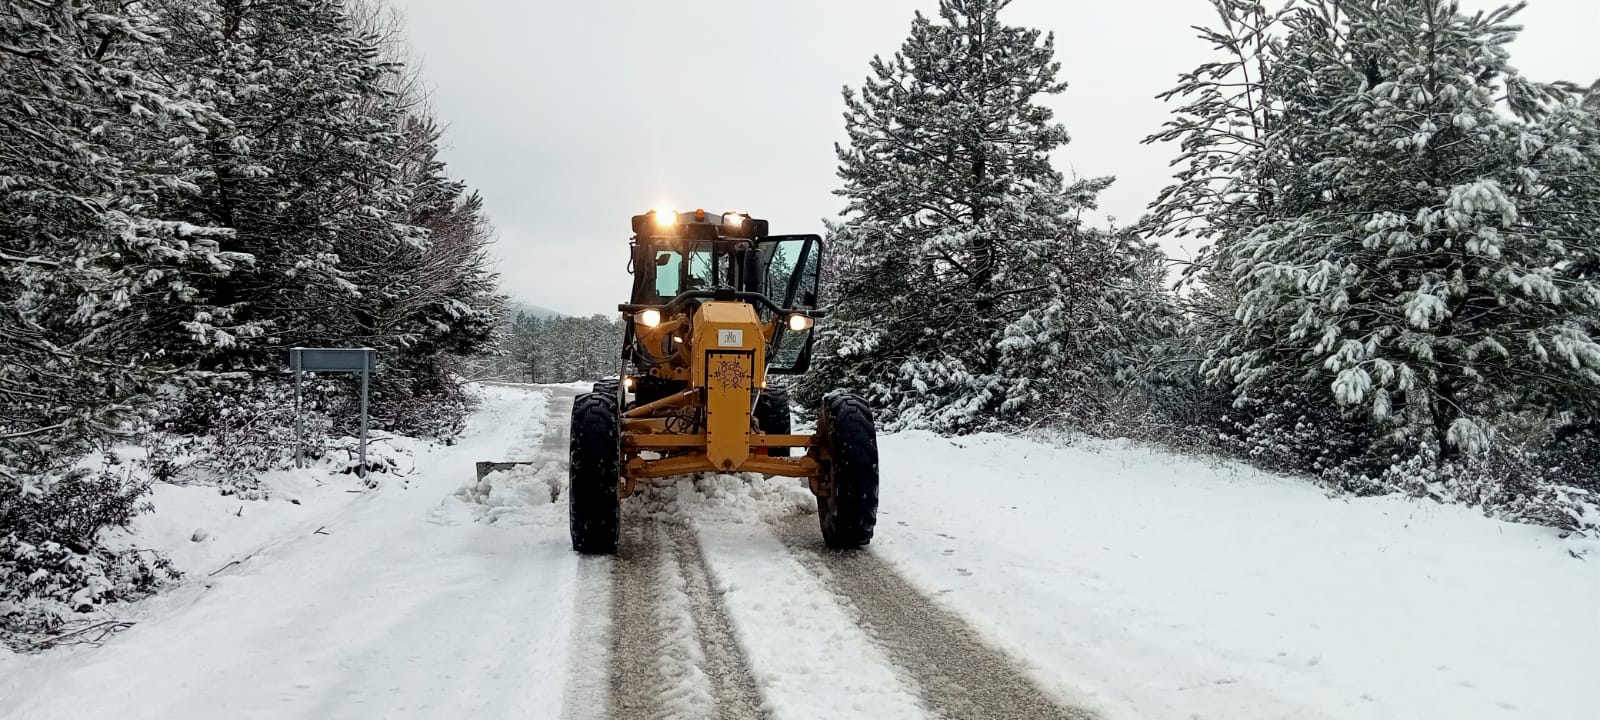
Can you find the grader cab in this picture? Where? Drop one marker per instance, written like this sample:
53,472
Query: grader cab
719,308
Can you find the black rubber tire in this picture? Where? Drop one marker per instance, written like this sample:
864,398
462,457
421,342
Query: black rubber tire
606,387
850,514
593,469
773,418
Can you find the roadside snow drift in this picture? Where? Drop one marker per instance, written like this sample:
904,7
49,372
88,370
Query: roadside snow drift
393,604
1168,587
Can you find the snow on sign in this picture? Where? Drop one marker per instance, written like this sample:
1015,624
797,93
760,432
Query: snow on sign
730,338
354,360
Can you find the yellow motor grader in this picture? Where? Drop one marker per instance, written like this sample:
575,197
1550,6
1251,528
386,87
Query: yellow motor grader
719,307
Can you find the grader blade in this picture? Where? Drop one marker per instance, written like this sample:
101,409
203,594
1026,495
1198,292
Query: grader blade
485,468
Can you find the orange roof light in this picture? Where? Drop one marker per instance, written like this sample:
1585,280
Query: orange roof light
700,215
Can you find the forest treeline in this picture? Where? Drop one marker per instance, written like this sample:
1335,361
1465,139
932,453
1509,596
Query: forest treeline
189,188
1399,287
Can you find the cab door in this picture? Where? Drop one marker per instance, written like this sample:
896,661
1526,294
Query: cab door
791,268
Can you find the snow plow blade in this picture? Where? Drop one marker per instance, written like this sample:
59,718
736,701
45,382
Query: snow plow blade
484,468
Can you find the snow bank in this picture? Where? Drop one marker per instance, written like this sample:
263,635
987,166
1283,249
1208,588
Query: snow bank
1170,587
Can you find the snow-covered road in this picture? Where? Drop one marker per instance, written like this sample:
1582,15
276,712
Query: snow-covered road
400,607
1011,578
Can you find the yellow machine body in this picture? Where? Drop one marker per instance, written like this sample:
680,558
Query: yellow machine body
722,359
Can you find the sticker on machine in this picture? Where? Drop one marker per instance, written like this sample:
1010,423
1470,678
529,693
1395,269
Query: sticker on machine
730,338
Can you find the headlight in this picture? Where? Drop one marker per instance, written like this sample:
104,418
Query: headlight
800,323
732,219
648,318
665,217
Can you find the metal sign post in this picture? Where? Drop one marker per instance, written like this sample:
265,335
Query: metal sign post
350,360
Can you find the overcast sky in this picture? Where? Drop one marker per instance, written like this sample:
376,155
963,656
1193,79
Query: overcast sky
572,116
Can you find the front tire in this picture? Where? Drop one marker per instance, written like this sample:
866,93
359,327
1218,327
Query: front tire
850,513
593,508
773,418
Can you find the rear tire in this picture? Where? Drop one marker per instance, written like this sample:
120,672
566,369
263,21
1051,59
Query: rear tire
850,514
593,508
606,387
773,418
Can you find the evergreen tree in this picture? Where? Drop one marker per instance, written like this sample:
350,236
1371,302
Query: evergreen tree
563,349
335,189
89,273
1405,238
957,227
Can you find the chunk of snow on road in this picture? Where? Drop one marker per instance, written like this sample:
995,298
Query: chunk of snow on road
739,498
505,492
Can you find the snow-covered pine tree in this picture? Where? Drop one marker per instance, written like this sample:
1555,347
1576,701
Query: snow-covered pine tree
955,228
359,237
1223,186
1079,354
88,274
440,301
1425,276
303,170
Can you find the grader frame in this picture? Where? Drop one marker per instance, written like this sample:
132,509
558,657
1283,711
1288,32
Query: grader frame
704,334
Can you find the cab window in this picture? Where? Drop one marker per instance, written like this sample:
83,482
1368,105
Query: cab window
669,274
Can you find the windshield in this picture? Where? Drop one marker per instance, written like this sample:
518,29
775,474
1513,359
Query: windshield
696,268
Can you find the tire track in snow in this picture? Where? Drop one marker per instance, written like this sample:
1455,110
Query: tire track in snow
586,688
810,656
954,672
733,685
557,431
587,685
636,686
673,654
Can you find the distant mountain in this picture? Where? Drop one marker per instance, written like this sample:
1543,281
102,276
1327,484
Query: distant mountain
515,307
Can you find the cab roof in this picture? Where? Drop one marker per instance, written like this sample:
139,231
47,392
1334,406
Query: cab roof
698,225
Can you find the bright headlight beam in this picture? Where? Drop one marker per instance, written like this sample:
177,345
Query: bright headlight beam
648,318
800,323
665,217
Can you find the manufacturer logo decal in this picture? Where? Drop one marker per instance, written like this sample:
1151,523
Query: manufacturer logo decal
730,338
730,374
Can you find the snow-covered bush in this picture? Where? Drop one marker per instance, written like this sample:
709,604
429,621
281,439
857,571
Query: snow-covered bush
430,403
52,564
226,434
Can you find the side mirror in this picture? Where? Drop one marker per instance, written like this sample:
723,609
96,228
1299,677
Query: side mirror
663,259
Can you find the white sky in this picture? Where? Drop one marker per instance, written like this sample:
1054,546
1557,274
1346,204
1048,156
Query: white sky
570,117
